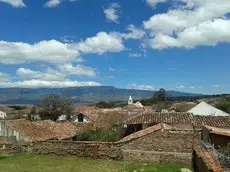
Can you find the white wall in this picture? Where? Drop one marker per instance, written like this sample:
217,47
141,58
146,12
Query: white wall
2,114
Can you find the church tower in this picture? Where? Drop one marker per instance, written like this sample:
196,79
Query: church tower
130,101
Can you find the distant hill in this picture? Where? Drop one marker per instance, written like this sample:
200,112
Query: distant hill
80,95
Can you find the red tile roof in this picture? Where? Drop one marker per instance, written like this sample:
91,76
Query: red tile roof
157,117
146,131
42,130
180,117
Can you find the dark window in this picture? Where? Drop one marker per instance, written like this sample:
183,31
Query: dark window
80,118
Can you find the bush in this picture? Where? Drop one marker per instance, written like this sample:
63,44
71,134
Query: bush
105,135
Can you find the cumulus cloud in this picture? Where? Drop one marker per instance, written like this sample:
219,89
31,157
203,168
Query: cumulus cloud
180,87
184,26
206,33
14,3
55,3
141,87
111,13
101,43
47,51
133,33
78,70
52,3
48,75
36,83
153,3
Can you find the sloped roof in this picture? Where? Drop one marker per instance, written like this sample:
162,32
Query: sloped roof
205,109
42,130
215,121
219,131
146,131
157,117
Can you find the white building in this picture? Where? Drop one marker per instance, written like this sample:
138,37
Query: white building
2,115
204,109
130,101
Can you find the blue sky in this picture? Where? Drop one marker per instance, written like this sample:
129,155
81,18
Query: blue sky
143,44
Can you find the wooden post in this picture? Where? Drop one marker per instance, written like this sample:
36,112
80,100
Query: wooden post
95,151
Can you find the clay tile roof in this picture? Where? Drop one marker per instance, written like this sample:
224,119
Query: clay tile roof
219,131
215,121
146,131
157,117
43,130
209,160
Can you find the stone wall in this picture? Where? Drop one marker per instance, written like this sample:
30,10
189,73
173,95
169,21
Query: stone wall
165,141
156,156
81,149
8,146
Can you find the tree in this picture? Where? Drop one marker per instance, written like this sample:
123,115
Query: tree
161,99
103,104
224,106
160,96
54,106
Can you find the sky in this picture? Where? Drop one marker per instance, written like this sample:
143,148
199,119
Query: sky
180,45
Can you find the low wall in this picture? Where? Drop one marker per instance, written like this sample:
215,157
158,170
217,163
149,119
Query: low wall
8,146
81,149
156,156
165,141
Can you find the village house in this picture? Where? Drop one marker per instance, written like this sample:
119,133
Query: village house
180,120
28,131
204,109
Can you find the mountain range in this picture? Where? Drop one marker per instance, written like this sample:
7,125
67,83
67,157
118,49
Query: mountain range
79,95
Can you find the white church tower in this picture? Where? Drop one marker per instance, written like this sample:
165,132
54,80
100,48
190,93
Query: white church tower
130,101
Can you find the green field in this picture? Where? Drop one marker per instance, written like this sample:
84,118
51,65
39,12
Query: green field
43,163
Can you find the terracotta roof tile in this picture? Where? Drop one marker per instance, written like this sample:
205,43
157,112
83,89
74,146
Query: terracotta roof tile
146,131
43,130
179,117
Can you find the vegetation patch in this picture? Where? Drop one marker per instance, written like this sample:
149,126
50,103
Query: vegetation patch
44,163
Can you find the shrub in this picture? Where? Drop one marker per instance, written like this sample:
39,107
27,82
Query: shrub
105,135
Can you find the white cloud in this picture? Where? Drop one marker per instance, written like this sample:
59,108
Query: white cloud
36,83
186,25
134,33
153,3
134,55
111,13
206,33
141,87
15,3
55,3
52,3
112,69
78,70
101,43
4,77
180,87
47,51
49,75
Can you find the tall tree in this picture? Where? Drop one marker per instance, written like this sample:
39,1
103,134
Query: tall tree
54,106
160,96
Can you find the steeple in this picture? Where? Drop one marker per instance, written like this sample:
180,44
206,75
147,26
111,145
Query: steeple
130,101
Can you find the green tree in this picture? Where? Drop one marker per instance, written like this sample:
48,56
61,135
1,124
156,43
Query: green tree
224,106
103,104
161,99
160,96
54,106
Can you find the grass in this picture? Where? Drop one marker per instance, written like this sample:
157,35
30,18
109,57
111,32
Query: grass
44,163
